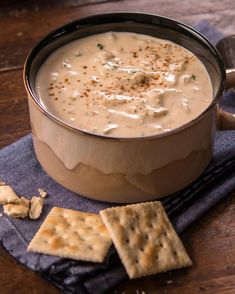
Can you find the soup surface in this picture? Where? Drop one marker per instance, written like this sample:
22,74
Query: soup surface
122,84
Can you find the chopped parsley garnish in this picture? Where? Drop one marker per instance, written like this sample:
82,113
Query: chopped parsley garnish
193,77
100,46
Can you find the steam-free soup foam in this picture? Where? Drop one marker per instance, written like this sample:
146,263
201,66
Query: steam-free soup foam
122,84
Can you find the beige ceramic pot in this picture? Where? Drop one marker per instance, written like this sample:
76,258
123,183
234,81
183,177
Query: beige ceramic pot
131,169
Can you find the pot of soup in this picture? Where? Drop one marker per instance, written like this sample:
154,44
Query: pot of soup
124,106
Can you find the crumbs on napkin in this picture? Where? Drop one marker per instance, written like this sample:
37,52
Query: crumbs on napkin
20,207
36,204
42,193
17,210
7,195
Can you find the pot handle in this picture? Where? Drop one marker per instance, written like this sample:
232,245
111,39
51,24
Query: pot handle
227,119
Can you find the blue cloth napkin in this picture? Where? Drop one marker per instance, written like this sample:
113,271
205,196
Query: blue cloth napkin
20,169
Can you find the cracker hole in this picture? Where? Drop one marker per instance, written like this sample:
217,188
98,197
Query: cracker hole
146,237
156,257
127,241
88,227
90,247
81,219
161,245
136,261
141,249
81,238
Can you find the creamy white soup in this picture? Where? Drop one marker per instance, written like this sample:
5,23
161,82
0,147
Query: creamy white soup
122,84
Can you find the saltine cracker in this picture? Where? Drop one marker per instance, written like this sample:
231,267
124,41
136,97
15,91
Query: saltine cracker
145,239
72,234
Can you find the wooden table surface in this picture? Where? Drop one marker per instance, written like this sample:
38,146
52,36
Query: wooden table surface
211,240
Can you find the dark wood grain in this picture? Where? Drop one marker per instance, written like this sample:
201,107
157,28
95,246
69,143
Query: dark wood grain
17,279
24,26
14,118
211,241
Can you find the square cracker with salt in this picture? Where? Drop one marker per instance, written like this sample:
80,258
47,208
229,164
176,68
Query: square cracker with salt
145,239
72,234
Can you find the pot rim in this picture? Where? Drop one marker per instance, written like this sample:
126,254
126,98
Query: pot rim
74,25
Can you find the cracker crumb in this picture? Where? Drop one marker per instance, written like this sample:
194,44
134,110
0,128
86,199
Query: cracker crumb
42,193
17,210
36,204
25,201
7,195
20,207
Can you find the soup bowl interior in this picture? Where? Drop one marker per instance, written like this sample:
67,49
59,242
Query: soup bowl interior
147,24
